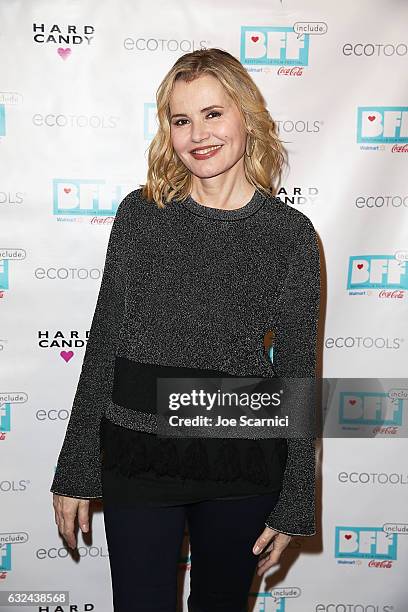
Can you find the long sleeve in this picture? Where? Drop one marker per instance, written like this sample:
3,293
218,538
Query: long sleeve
78,471
294,356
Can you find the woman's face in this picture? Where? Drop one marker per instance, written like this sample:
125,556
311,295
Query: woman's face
196,126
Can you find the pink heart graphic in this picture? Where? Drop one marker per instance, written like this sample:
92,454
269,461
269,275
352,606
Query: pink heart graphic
67,189
371,117
352,402
359,266
64,53
254,38
67,355
347,536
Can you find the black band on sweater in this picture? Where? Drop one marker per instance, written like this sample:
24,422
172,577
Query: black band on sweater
134,382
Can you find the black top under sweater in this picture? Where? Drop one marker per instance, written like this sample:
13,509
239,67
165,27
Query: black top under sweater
142,467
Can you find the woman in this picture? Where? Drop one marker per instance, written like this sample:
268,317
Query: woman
202,263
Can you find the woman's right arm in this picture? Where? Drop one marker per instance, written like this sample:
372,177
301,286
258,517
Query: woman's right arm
78,471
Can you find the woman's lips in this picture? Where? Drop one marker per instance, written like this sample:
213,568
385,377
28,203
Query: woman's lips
198,155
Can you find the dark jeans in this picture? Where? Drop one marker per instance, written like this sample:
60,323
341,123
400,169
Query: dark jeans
144,545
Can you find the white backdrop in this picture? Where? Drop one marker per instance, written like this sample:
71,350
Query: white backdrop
77,113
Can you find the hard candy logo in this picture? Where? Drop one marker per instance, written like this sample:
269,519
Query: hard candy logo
61,36
382,124
387,273
64,341
265,601
83,198
355,543
273,46
381,410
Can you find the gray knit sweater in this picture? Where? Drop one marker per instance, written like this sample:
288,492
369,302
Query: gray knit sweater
194,286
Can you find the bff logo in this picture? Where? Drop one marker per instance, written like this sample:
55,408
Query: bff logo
87,197
273,46
377,271
365,543
5,418
67,355
382,124
263,601
370,408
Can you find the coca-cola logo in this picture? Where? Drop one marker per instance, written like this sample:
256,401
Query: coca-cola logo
397,148
397,294
383,564
290,71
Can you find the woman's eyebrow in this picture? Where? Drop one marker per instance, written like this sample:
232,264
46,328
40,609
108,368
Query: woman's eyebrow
203,110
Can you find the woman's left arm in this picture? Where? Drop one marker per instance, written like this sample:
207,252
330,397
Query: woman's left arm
294,356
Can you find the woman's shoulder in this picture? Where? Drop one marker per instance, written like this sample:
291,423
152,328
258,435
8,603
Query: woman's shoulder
134,204
292,219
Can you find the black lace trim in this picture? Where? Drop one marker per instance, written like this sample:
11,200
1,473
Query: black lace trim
227,460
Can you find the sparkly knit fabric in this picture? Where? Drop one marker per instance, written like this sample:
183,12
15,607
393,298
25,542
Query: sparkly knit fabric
194,286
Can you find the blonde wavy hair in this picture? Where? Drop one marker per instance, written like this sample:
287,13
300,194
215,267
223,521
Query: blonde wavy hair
167,177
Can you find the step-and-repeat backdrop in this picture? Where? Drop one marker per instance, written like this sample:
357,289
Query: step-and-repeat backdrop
77,114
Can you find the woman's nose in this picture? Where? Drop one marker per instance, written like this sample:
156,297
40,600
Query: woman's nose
199,132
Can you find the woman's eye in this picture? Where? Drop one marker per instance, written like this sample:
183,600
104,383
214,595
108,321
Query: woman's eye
177,123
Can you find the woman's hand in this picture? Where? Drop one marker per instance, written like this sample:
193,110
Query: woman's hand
273,552
66,509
